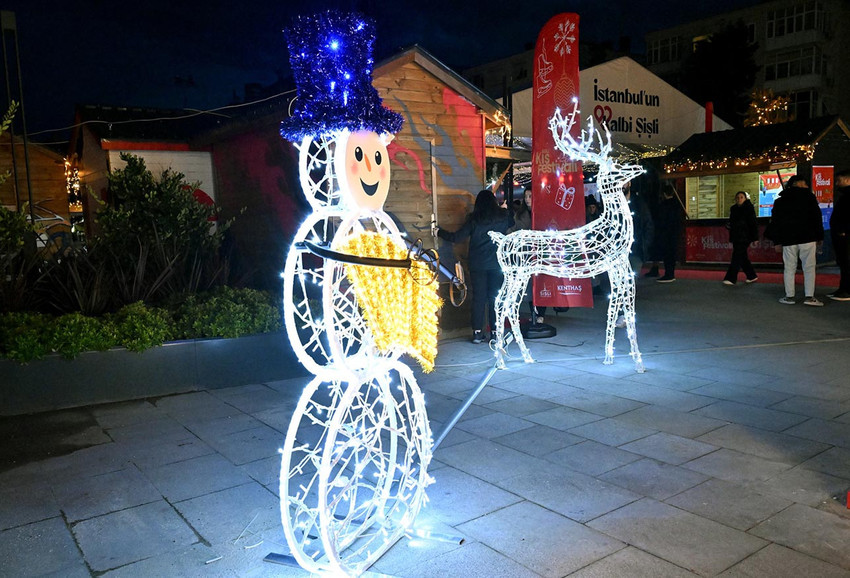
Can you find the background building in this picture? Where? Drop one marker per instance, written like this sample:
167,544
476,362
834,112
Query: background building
505,76
803,51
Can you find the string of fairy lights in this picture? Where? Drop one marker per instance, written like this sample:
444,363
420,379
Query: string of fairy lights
785,153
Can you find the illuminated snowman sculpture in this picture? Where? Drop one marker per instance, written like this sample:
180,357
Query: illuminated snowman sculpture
355,457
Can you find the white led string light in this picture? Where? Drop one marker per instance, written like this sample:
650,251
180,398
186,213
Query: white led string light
355,458
600,246
353,469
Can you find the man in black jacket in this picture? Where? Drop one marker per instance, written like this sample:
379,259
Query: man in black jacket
796,224
839,230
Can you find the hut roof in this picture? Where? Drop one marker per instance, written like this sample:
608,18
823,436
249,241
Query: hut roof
754,148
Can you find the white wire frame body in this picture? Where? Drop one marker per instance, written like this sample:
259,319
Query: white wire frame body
354,467
355,458
598,247
322,318
316,172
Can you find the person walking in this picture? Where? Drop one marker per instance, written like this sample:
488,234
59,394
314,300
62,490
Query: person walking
644,229
743,230
522,211
796,225
667,231
839,232
522,218
484,270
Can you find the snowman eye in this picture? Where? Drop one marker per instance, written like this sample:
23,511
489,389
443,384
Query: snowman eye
358,154
377,157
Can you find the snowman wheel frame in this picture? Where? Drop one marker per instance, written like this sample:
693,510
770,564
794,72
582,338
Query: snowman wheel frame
354,467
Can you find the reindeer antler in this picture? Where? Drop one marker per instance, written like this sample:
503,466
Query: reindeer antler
561,128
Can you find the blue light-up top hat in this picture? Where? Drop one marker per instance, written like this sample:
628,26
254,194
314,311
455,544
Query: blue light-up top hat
331,58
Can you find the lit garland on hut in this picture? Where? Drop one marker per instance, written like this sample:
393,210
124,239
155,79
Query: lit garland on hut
752,148
779,154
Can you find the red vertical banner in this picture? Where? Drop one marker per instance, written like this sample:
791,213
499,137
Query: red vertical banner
557,191
821,184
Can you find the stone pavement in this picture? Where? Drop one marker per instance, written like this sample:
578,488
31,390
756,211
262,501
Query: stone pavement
730,456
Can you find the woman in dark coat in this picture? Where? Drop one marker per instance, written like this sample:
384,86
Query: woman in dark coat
743,230
484,270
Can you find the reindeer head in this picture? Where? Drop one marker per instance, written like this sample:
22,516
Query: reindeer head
591,147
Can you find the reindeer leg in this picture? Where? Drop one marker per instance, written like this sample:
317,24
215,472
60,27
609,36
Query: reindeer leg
629,315
518,290
501,305
615,304
507,307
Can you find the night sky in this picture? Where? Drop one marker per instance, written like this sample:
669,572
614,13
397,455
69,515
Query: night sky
189,54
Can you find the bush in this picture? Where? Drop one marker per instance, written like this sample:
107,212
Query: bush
227,312
14,228
224,312
77,281
25,335
74,333
138,327
156,236
19,265
155,242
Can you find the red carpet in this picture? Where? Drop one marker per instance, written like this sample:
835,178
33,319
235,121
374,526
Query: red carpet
824,279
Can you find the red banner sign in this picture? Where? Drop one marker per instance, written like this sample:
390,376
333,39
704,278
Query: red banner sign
710,244
557,183
822,184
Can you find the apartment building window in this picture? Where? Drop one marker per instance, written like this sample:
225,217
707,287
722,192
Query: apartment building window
697,40
803,104
664,50
797,62
803,16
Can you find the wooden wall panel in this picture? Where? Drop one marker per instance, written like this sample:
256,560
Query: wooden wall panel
46,179
438,122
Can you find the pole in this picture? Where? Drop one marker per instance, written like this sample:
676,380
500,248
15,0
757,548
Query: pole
434,212
7,22
24,125
462,409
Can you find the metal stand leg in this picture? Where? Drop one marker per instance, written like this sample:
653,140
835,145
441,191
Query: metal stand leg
282,559
462,410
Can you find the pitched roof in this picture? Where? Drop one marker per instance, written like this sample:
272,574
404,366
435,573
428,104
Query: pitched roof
446,75
750,148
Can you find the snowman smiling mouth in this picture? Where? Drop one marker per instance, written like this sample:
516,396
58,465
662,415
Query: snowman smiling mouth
369,189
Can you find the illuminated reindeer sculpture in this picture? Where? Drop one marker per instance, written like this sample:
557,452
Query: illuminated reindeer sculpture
600,246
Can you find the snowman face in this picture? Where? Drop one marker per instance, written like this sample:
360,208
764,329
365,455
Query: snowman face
367,170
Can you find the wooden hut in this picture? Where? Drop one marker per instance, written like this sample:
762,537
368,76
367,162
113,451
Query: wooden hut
41,191
440,156
161,137
708,169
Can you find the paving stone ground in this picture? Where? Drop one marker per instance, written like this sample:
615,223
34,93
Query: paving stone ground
730,457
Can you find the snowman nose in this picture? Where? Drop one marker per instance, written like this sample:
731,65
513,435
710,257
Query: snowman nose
368,164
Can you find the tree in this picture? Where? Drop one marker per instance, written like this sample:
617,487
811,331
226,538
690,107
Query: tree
721,69
159,238
767,108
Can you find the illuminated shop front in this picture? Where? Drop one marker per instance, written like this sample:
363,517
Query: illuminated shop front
708,169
